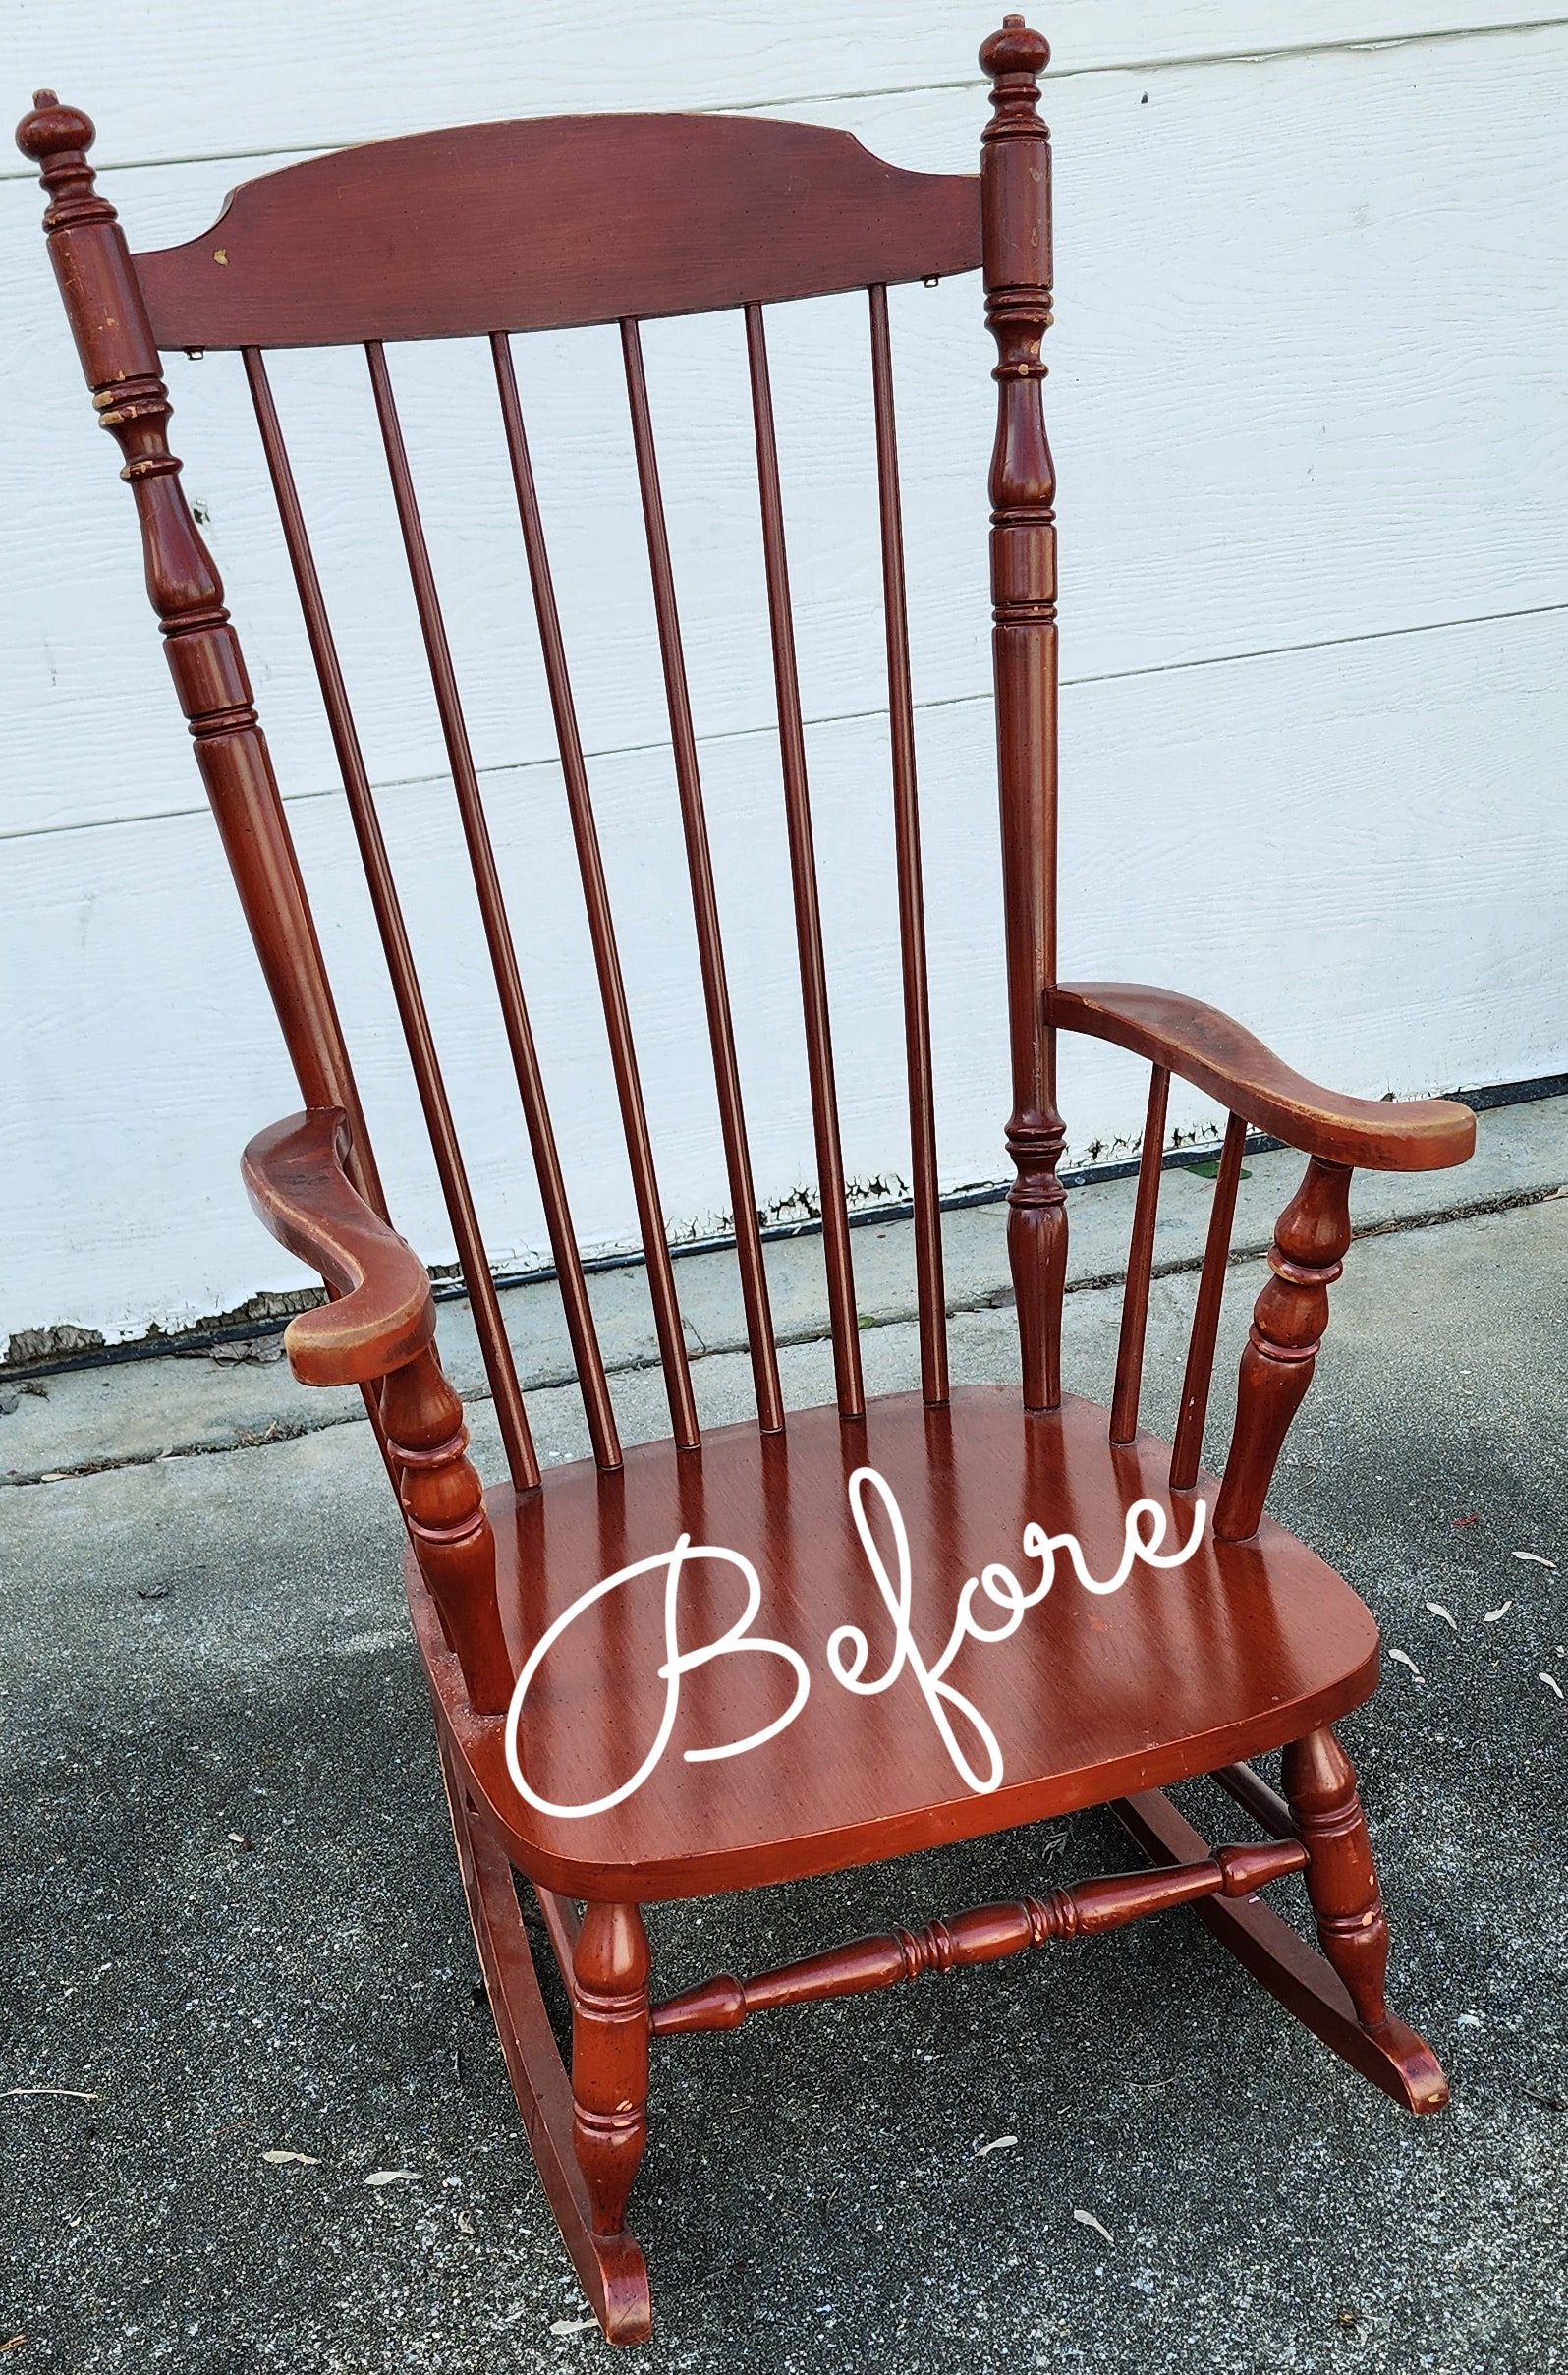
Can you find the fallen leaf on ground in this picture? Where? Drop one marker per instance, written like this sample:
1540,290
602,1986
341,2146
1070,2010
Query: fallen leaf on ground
1087,2217
1533,1559
390,2176
1492,1615
1436,1608
573,2325
1551,1682
13,2342
996,2144
1404,1658
304,2160
1474,1519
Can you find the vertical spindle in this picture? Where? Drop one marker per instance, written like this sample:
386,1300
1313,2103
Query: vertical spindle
601,925
911,895
497,928
705,900
1140,1265
1188,1449
499,1366
803,879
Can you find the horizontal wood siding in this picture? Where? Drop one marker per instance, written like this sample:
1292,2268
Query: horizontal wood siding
1307,400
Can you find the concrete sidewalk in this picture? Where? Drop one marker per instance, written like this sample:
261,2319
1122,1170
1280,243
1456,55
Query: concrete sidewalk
232,1925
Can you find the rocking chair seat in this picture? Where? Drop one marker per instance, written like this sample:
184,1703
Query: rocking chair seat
1245,1647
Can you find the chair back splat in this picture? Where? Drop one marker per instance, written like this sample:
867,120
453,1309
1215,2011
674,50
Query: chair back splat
553,1613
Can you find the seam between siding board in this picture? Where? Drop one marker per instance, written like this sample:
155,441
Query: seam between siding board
1240,55
957,701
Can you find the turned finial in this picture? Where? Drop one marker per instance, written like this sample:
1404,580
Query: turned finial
1015,55
57,138
51,130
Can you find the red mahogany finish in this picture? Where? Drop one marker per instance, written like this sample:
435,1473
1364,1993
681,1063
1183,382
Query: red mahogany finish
1217,1056
729,1659
551,225
984,1933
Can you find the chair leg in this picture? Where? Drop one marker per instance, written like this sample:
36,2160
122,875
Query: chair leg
609,2264
1309,1985
610,2033
1320,1784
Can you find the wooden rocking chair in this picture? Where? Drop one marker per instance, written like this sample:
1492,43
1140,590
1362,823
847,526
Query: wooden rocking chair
1254,1646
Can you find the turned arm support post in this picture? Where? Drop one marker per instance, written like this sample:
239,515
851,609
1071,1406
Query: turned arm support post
379,1334
1311,1239
1016,233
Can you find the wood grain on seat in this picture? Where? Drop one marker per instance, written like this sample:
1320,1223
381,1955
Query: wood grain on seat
1249,1645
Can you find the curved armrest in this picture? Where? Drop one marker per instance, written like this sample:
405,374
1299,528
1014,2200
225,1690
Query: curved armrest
1204,1047
384,1314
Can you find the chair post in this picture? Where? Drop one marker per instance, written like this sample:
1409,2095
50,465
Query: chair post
1016,221
103,303
1289,1318
610,2031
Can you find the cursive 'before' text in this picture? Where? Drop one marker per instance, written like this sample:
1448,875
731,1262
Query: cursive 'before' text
965,1733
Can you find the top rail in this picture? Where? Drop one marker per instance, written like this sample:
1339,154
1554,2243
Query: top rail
553,224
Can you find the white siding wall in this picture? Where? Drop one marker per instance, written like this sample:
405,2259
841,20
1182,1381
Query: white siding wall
1309,403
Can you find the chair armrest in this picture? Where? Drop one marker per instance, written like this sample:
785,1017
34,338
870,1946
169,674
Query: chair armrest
1204,1047
384,1313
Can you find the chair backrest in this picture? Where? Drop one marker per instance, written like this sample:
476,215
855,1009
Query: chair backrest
495,229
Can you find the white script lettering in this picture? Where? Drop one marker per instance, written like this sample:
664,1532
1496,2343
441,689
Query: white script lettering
848,1648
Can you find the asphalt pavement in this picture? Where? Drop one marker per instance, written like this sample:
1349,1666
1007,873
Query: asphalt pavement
233,1929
